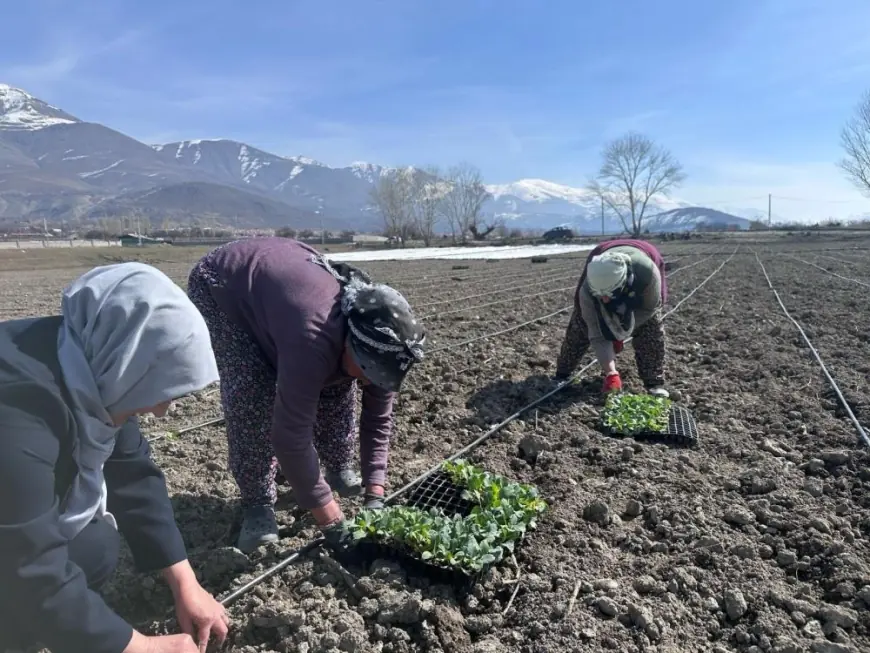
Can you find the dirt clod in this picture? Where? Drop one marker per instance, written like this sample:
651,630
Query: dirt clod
598,512
607,606
735,604
532,446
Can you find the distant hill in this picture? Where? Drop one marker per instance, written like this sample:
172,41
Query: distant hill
56,166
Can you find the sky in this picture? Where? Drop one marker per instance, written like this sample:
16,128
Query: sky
749,95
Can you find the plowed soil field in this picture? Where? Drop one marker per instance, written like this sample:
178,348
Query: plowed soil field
755,539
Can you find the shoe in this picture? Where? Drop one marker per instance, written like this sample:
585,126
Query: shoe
659,391
346,482
258,527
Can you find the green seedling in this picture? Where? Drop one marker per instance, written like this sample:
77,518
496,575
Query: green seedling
503,512
631,414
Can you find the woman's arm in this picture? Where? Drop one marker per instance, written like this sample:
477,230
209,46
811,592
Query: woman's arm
375,430
302,373
139,501
43,592
602,347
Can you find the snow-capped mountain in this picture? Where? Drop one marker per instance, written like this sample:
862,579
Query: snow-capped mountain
537,203
299,181
56,166
693,217
20,110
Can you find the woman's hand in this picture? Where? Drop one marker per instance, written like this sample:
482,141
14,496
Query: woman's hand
612,383
198,613
328,514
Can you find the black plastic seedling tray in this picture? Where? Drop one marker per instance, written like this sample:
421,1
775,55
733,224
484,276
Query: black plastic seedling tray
438,491
435,491
681,429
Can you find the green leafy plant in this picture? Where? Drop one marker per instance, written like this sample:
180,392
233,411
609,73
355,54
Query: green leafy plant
503,512
632,414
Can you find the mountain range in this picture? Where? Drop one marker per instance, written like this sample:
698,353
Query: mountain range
57,167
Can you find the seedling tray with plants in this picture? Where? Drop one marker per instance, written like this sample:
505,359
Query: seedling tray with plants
456,524
648,417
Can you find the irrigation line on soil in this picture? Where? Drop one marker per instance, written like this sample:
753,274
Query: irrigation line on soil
298,553
539,278
500,301
833,274
838,260
543,280
438,279
443,279
547,279
188,429
502,332
537,319
219,420
836,388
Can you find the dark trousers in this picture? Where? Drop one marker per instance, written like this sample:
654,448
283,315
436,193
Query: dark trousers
95,551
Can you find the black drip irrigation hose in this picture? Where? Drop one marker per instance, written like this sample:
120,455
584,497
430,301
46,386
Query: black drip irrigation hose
832,273
839,260
499,301
435,280
298,553
547,278
187,429
861,432
499,333
540,318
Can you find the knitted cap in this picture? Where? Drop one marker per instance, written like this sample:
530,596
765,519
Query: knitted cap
607,272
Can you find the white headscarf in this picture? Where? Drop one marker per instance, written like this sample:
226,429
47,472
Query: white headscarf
607,272
131,339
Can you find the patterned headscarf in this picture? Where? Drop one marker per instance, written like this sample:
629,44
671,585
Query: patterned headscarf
386,339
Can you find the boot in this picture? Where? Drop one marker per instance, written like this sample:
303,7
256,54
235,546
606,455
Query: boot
258,527
346,482
658,391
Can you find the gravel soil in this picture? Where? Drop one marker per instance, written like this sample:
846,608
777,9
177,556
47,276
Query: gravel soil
753,540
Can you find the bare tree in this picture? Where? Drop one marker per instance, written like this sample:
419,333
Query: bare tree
481,229
633,171
463,200
393,196
855,139
428,193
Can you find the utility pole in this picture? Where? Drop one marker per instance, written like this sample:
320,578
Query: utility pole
769,202
322,232
602,216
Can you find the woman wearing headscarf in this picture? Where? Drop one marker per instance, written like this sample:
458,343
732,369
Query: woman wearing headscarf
293,335
75,469
620,294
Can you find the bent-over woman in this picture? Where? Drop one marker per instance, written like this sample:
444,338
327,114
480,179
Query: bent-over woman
75,469
293,333
621,293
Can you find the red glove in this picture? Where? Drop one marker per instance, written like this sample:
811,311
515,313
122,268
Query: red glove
612,383
617,346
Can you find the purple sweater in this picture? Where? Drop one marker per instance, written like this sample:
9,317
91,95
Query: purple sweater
291,307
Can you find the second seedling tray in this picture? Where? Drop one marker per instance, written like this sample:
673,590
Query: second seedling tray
681,429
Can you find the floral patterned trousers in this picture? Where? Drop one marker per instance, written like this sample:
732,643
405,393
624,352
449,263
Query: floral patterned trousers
248,388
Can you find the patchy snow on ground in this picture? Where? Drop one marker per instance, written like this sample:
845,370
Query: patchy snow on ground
459,253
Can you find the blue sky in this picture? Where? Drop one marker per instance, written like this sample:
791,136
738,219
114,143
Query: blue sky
749,94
